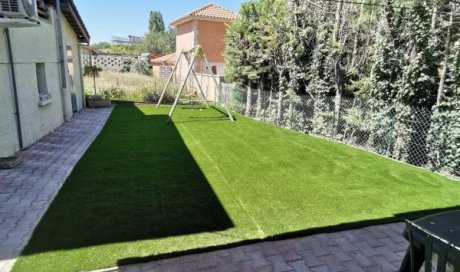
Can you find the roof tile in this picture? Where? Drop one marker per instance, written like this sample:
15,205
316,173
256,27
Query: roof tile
214,11
210,11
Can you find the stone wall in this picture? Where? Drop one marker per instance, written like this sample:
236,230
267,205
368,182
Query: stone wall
110,62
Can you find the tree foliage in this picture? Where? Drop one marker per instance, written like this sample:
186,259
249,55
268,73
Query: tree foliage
156,23
399,56
157,40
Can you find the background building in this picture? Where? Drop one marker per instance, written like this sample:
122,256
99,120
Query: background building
126,40
207,27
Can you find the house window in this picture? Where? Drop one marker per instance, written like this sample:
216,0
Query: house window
44,96
214,70
41,78
70,60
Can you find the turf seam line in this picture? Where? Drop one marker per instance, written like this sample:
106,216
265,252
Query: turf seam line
259,229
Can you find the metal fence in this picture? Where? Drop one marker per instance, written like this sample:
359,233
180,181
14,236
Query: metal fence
356,125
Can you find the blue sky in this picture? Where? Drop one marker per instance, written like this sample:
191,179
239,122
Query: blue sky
107,18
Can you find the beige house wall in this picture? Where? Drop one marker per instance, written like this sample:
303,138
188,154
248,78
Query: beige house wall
31,46
156,70
211,36
186,35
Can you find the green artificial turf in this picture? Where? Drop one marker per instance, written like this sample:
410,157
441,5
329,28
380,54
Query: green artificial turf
147,188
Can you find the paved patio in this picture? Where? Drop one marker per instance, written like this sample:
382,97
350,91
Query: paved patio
376,248
27,190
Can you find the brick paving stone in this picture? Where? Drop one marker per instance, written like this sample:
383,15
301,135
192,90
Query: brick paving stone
353,266
299,266
322,268
370,249
271,248
333,263
291,255
267,268
257,258
366,249
387,253
362,260
384,263
311,259
245,266
318,248
238,255
278,263
339,253
27,190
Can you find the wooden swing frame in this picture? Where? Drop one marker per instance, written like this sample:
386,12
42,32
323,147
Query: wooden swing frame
195,52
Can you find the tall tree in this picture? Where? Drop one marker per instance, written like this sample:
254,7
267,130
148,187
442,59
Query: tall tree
252,42
400,57
418,85
156,23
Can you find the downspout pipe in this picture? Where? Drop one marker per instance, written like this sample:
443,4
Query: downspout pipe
17,112
66,106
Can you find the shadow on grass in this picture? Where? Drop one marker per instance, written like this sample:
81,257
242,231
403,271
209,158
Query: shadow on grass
137,181
341,227
222,117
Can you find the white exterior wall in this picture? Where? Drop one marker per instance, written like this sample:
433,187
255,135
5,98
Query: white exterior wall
71,39
31,46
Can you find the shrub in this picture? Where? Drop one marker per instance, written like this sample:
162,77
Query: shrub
142,67
117,94
126,66
153,97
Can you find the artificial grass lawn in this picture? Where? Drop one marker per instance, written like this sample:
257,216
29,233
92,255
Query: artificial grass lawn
147,188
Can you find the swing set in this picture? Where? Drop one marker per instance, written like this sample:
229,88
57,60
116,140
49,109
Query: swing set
190,56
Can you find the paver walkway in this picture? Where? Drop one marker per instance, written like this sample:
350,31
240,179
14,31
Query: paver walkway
27,190
375,248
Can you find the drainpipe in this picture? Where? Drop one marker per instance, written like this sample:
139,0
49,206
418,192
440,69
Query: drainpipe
80,60
65,97
15,89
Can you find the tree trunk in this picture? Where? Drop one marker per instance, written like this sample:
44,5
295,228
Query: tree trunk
338,95
270,106
337,109
356,41
259,98
280,108
434,15
446,60
337,20
248,100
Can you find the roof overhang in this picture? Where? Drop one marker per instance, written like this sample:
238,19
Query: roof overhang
166,59
70,12
188,18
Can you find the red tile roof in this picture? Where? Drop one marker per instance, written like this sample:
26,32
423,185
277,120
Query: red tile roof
166,59
211,12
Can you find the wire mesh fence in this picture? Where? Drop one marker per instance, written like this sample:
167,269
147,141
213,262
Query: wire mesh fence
353,122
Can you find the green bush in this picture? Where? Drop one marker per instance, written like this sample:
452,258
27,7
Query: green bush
117,94
142,67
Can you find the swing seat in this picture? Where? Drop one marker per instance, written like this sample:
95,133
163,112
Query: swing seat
195,51
191,101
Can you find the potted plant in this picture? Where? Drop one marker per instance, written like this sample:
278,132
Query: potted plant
95,101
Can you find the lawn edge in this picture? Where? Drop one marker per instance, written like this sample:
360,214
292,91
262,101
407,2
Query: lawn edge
398,218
